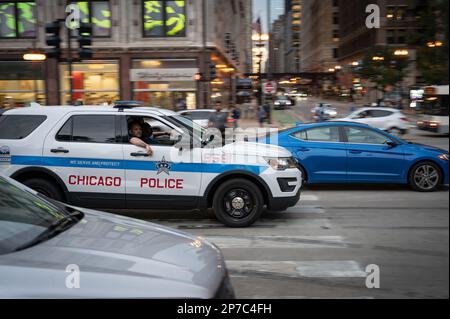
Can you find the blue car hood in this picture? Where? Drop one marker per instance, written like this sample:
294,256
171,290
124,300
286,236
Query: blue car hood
422,147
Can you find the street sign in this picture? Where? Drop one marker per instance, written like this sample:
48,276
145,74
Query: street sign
270,87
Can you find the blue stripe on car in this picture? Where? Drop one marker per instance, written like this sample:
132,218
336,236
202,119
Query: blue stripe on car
132,165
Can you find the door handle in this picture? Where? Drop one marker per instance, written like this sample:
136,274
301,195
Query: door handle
59,150
139,154
355,152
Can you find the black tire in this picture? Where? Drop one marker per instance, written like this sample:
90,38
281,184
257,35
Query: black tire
238,192
46,188
304,176
425,177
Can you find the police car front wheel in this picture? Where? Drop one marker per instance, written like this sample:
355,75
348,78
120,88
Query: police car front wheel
46,188
238,203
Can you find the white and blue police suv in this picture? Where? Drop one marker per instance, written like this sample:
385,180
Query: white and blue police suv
83,156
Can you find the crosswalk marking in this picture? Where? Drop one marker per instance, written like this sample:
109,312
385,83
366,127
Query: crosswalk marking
309,198
233,242
299,269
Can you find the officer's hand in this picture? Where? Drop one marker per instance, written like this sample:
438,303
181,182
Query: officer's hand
149,150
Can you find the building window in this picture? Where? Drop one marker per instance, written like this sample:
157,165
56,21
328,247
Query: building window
335,18
401,36
164,18
21,83
99,14
396,13
18,19
391,36
390,14
94,82
167,83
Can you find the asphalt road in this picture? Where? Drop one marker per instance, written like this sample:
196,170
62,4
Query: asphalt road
321,247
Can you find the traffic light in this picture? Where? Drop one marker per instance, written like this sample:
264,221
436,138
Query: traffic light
212,72
85,39
53,40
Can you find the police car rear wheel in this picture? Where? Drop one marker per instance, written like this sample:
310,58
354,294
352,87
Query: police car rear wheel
46,188
238,203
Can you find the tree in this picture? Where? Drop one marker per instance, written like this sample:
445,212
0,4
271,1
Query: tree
383,68
432,40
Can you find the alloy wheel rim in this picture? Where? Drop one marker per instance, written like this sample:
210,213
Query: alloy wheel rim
426,177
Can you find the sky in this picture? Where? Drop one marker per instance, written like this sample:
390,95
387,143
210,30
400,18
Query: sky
260,9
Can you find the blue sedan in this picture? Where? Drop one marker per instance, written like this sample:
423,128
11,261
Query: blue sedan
345,152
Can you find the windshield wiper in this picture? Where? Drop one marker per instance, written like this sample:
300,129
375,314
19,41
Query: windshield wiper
54,229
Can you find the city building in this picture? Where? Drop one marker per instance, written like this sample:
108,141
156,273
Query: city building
319,36
159,52
398,20
284,46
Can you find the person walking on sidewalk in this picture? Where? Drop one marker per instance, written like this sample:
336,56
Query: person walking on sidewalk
235,115
262,115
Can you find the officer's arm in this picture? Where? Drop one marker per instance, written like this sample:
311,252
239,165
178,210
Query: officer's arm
140,143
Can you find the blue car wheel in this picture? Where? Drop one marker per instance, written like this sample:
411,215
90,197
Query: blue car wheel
425,177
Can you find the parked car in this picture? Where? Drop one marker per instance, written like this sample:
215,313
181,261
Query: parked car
348,152
386,119
42,242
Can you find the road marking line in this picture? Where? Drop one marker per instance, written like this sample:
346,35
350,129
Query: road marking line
299,269
309,198
330,269
232,242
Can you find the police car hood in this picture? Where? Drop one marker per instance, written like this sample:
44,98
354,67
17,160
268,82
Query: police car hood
256,149
117,257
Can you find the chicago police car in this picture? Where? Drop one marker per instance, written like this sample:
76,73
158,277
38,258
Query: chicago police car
83,156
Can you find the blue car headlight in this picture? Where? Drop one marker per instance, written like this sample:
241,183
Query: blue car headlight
444,157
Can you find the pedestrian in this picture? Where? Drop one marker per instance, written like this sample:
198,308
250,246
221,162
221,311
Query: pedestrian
262,115
268,112
218,120
235,115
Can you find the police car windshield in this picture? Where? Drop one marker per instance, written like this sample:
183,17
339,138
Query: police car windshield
25,217
187,123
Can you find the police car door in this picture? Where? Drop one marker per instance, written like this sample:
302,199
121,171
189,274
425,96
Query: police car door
161,180
84,149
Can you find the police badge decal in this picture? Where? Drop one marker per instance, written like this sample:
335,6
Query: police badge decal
163,166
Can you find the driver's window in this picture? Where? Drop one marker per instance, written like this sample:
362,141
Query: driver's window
364,136
362,115
154,132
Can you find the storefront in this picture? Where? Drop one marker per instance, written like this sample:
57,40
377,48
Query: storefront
94,82
21,83
167,83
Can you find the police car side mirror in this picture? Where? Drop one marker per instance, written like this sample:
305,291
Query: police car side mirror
183,142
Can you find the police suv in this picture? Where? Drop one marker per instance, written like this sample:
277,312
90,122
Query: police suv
83,156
